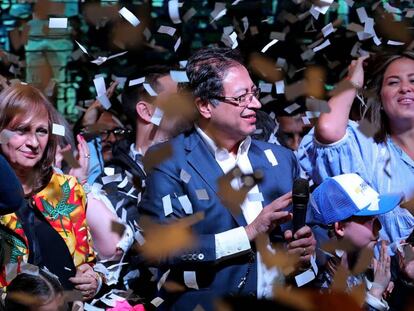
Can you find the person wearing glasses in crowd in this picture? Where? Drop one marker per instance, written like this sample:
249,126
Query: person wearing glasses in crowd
225,260
103,129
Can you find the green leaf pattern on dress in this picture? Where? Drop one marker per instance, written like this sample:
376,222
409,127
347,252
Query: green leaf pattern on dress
63,208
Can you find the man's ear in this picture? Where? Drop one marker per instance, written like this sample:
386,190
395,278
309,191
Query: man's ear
144,110
339,228
203,107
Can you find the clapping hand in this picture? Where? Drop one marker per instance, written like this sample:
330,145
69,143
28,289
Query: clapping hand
382,272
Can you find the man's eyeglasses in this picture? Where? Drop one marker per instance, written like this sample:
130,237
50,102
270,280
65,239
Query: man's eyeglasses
118,132
242,100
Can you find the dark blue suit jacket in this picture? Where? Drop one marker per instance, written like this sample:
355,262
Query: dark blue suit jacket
214,277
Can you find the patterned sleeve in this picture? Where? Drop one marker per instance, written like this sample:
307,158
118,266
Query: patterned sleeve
84,247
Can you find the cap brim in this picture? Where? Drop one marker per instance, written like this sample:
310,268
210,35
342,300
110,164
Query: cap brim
386,203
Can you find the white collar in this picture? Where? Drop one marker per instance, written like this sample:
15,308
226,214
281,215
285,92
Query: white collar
133,152
223,153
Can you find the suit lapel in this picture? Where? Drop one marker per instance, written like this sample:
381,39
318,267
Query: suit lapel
259,162
202,161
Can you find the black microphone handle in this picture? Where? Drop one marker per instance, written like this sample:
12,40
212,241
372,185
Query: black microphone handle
299,217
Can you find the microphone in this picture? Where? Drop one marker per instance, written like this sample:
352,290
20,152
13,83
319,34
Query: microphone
300,198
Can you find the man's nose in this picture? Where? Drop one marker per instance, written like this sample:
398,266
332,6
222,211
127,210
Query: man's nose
255,103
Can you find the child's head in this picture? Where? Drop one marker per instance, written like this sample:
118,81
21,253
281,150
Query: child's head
28,292
350,206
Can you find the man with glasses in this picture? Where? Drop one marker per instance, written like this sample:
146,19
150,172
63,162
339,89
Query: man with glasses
225,260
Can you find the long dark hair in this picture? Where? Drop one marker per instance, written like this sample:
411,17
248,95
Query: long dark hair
25,100
375,76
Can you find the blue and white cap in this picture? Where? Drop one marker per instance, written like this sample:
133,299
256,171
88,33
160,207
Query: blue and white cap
340,197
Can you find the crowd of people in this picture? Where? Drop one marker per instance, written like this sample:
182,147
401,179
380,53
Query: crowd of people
182,197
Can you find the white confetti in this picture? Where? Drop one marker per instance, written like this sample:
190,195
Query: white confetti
410,13
81,47
173,11
177,44
157,116
136,81
267,46
369,26
166,204
184,176
186,204
202,194
265,87
377,40
392,42
312,114
100,87
149,89
189,14
362,14
179,76
101,59
289,109
305,120
111,178
322,46
270,157
245,21
89,307
104,101
58,129
328,29
350,3
163,279
256,197
323,8
280,87
109,171
58,22
314,12
129,16
190,279
219,11
157,301
391,9
233,37
167,30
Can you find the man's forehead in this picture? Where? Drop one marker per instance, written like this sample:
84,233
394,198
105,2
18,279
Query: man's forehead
237,77
110,120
